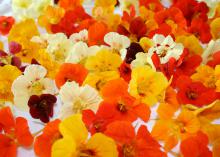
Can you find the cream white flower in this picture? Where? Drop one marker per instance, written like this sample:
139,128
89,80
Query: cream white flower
81,51
142,59
76,98
81,36
117,42
32,82
212,47
165,48
57,45
23,9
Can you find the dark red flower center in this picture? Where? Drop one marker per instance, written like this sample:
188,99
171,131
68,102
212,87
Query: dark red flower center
121,107
191,94
128,150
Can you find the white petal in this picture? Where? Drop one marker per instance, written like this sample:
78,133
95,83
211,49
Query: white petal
158,39
49,85
168,41
20,85
35,72
66,110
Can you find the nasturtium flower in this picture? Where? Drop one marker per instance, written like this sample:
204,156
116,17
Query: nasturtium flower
75,141
80,52
57,45
75,99
6,24
194,93
16,133
41,107
117,42
131,144
105,4
191,43
29,8
125,71
101,62
146,43
43,143
207,75
132,50
165,48
69,4
22,33
126,5
70,72
196,145
147,85
8,74
98,79
32,82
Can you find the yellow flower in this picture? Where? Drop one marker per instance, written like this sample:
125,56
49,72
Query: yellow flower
8,74
208,76
147,85
190,42
105,4
22,33
104,60
97,80
46,60
52,15
215,28
75,141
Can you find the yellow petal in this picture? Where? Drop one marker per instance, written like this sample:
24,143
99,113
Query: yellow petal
103,145
65,147
74,127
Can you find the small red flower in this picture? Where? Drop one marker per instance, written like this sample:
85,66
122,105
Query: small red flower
41,107
6,24
125,71
215,59
194,93
154,5
9,59
138,27
14,47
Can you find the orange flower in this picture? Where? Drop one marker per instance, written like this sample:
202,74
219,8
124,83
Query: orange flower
130,144
96,33
16,133
196,146
70,72
120,104
44,142
69,4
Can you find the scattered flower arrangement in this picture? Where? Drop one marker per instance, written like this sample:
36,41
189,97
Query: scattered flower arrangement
110,73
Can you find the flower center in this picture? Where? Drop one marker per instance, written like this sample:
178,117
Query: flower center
78,105
87,153
191,95
5,24
36,88
128,150
121,107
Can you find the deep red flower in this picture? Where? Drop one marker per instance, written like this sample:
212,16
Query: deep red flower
164,29
41,107
9,59
132,50
215,59
138,27
6,23
192,9
154,5
196,146
173,14
194,93
125,71
131,144
201,30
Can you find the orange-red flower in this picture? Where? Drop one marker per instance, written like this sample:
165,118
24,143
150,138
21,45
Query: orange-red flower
96,33
6,24
125,71
194,93
154,5
196,146
44,142
15,133
130,144
70,72
215,59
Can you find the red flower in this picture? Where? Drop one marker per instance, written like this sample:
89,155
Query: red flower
5,24
16,133
215,59
14,47
201,30
132,50
164,29
130,144
194,93
6,59
196,146
125,71
41,107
